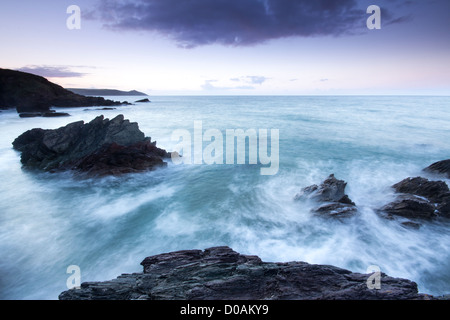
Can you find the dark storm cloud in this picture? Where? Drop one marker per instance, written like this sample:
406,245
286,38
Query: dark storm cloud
234,22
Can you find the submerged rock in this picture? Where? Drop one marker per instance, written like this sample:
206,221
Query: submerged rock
99,147
331,197
220,273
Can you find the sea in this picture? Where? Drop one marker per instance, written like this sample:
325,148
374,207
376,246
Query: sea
51,222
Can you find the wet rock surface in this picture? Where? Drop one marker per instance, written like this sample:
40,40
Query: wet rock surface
410,206
100,147
440,168
219,273
419,199
435,191
43,114
330,198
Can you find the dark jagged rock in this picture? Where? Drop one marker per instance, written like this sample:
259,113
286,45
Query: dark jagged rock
444,208
331,197
331,189
49,114
336,209
419,199
30,114
440,167
143,100
55,114
220,273
410,206
116,159
31,93
435,191
99,147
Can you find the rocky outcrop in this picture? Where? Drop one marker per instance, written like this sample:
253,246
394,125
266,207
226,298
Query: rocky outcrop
330,197
440,168
419,199
220,273
435,191
43,114
29,93
411,207
115,159
100,147
143,100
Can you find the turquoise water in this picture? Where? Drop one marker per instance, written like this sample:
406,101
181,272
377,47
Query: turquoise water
108,226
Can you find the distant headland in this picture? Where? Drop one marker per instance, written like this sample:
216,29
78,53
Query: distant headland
106,92
33,95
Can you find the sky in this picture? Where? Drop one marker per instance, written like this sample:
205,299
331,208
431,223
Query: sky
232,47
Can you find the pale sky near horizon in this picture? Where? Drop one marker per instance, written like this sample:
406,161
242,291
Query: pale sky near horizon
248,47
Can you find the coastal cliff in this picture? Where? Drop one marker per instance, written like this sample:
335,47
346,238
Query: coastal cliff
29,93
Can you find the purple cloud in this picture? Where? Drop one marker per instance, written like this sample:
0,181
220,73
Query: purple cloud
234,22
51,71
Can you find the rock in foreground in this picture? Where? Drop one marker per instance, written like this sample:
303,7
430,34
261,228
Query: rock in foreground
220,273
100,147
